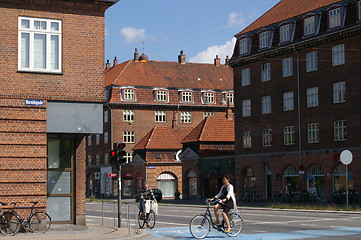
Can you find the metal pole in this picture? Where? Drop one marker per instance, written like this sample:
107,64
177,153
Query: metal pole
128,218
114,213
102,212
120,197
346,187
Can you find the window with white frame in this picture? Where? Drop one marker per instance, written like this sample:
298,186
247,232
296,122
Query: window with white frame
97,139
206,114
265,72
228,97
287,67
339,92
246,76
309,25
313,133
338,55
243,46
128,94
128,157
106,116
264,40
340,130
89,140
208,97
289,135
128,137
311,61
40,47
266,104
106,158
247,139
312,97
128,116
285,33
288,101
106,137
161,95
186,97
267,137
186,117
246,108
334,18
160,116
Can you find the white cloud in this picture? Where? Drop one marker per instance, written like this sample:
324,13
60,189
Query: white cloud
131,35
208,55
237,20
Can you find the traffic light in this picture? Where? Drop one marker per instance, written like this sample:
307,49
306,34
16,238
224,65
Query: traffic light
113,157
121,153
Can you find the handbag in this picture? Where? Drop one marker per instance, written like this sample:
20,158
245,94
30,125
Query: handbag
154,207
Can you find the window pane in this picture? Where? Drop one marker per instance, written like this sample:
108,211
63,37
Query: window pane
25,23
40,25
39,50
58,182
55,26
25,48
59,208
54,52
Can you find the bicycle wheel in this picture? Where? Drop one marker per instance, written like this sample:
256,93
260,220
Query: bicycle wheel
236,223
199,226
141,219
151,220
9,223
40,222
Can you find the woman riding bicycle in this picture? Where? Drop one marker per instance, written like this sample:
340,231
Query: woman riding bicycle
227,201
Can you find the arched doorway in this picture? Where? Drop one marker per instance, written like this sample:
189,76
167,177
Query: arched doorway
291,179
316,181
167,183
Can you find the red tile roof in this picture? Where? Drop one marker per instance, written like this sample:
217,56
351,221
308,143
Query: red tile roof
170,74
212,129
286,9
162,138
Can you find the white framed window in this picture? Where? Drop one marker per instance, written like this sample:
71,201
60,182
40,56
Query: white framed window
312,97
288,101
40,47
97,139
106,137
186,117
338,55
243,46
228,97
208,97
106,158
334,17
160,116
311,61
265,72
264,40
97,159
128,157
247,139
128,94
128,137
287,67
309,26
289,135
206,114
246,108
186,97
267,137
106,116
340,130
339,92
161,96
89,140
246,76
266,104
285,33
313,131
128,116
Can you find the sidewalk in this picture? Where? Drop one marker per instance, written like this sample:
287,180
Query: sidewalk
91,231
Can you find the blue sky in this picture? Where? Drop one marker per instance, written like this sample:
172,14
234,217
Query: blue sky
201,28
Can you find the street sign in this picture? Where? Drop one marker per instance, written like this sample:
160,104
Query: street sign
111,175
346,157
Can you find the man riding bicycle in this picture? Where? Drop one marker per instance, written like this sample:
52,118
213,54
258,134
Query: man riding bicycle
146,196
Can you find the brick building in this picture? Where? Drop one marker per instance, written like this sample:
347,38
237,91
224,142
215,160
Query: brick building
46,107
296,73
142,94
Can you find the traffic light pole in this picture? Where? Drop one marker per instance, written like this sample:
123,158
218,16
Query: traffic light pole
119,195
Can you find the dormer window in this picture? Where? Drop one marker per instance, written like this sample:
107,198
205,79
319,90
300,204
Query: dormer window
244,45
161,95
264,39
309,26
228,97
334,17
285,33
186,96
208,97
127,94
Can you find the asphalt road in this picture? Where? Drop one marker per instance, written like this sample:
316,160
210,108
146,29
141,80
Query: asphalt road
173,221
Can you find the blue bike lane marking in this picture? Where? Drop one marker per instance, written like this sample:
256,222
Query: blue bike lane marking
183,233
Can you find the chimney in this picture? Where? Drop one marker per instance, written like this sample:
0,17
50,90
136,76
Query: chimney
229,114
227,60
107,65
182,58
115,61
217,61
136,55
175,123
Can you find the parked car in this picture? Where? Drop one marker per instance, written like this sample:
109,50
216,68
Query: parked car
157,194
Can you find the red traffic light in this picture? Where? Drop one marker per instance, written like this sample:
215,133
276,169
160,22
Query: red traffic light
121,145
113,153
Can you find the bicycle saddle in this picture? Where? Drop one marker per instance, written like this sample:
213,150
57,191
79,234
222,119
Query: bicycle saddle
4,204
34,202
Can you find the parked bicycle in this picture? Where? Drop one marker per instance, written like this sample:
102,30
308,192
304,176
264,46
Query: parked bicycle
37,221
9,223
146,218
200,225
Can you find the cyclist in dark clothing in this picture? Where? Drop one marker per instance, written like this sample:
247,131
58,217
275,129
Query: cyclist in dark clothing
146,194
